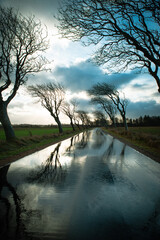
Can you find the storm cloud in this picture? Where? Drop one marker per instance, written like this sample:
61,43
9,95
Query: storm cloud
82,76
143,108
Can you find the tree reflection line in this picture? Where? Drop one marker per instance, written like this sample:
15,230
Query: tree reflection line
17,202
50,171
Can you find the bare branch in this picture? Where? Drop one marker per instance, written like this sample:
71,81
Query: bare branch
51,97
128,32
22,41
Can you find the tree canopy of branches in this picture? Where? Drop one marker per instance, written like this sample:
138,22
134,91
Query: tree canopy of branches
128,32
104,89
70,109
83,116
99,118
107,106
51,97
22,42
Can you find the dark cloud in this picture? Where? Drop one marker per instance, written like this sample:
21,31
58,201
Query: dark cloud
82,76
137,86
33,6
120,79
136,109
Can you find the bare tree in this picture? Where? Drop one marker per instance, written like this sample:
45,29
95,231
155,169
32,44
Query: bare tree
83,116
69,109
77,120
99,118
104,89
51,97
22,41
128,31
107,105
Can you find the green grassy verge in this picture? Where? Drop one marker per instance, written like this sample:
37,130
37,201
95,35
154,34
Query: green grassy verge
33,131
145,139
28,144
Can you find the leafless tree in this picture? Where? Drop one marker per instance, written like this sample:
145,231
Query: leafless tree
99,118
107,105
77,120
22,42
83,116
51,96
69,109
104,89
128,31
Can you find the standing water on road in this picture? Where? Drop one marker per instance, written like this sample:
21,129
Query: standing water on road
88,187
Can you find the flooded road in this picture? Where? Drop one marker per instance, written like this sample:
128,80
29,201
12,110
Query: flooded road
88,187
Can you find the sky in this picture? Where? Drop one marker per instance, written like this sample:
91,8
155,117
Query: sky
72,67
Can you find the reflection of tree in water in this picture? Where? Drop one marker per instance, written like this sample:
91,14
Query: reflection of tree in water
120,159
50,171
109,152
100,168
7,221
152,225
73,141
99,139
83,143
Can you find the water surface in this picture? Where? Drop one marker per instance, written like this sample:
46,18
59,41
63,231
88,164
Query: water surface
90,186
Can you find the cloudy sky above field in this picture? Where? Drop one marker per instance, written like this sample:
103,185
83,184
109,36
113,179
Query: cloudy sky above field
72,67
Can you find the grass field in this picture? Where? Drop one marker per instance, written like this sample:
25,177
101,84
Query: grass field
154,131
33,131
30,140
145,138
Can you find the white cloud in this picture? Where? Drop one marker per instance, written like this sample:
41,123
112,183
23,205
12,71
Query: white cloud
72,68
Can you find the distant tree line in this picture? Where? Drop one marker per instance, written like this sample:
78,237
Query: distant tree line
100,120
145,121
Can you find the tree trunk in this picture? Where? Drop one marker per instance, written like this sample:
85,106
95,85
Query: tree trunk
125,123
59,125
113,122
72,125
78,126
4,119
155,75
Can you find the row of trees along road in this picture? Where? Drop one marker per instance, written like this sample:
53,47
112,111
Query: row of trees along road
22,42
128,32
52,97
108,97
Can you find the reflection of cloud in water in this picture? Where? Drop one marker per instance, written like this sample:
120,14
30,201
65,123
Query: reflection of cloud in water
90,184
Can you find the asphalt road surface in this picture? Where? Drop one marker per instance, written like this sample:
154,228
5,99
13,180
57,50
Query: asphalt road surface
88,187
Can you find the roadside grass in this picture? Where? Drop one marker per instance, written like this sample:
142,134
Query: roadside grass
33,131
26,143
145,138
146,130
